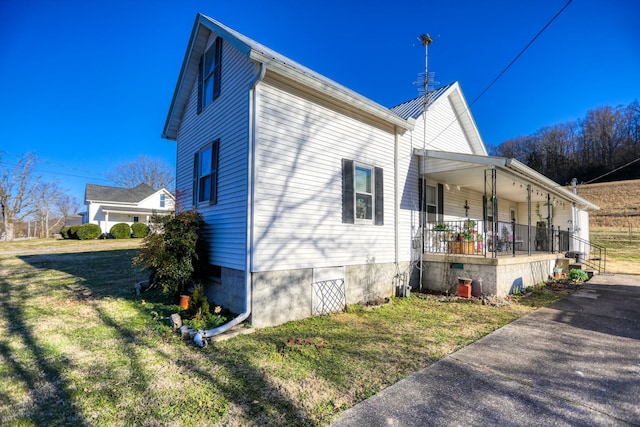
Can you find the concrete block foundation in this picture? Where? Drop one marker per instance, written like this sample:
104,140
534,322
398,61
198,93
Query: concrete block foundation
500,276
286,295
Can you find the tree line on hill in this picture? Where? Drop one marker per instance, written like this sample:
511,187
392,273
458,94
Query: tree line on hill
603,146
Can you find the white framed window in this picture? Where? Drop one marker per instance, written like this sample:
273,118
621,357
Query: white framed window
162,200
205,174
431,200
362,193
210,74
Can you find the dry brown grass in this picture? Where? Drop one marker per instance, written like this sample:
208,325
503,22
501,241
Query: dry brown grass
619,204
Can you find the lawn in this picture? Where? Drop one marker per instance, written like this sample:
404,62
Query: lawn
78,347
623,248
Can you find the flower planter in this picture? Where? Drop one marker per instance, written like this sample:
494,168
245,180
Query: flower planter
461,247
184,301
464,287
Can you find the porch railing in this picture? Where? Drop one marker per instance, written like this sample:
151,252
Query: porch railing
459,237
484,238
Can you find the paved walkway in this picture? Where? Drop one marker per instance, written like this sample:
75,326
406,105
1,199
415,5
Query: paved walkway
573,363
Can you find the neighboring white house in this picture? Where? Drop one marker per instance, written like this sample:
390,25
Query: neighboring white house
107,205
315,196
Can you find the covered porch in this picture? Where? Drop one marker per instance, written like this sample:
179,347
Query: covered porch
495,219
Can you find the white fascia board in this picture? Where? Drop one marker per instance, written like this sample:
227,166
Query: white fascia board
113,203
461,157
181,92
468,123
345,96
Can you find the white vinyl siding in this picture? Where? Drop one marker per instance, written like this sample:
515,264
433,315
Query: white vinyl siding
227,119
298,204
444,131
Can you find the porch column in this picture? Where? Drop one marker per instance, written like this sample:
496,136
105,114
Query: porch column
529,219
550,224
106,222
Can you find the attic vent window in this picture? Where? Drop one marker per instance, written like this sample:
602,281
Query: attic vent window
210,74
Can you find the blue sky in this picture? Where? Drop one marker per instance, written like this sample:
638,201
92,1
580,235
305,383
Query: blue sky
87,84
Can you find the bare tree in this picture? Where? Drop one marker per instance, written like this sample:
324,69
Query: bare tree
67,205
48,193
605,139
155,173
17,196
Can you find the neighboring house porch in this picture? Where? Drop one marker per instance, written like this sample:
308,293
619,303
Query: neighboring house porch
107,206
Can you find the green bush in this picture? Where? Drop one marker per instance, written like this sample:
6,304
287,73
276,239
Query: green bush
578,276
198,303
174,252
89,232
122,230
139,230
64,232
73,231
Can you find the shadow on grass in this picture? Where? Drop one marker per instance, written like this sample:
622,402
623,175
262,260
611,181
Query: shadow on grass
34,367
90,278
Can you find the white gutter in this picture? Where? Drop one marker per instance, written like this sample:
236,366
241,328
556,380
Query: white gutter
201,336
347,96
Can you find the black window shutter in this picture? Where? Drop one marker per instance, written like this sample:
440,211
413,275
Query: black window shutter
194,185
217,76
440,202
347,192
215,149
421,198
379,204
200,82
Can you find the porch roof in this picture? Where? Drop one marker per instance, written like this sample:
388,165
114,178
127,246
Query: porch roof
133,210
468,171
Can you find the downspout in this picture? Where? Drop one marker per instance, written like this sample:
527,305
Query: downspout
396,211
396,204
201,336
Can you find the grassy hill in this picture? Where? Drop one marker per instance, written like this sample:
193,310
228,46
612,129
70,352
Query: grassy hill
619,203
616,226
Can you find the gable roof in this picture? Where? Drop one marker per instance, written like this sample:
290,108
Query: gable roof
452,95
105,193
414,107
273,63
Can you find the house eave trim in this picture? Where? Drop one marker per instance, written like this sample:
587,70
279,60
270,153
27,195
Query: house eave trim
337,92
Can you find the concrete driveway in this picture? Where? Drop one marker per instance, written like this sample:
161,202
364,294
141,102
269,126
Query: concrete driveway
573,363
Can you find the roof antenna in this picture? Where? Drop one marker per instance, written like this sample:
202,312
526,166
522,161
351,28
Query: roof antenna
424,79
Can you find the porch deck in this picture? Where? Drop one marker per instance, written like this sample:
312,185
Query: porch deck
493,239
500,257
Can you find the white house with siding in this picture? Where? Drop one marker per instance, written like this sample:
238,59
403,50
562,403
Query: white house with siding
107,206
315,196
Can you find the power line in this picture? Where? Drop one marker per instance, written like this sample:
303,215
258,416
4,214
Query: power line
615,170
504,70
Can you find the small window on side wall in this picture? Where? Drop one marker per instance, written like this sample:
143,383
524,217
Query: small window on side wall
210,74
205,174
162,200
362,193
